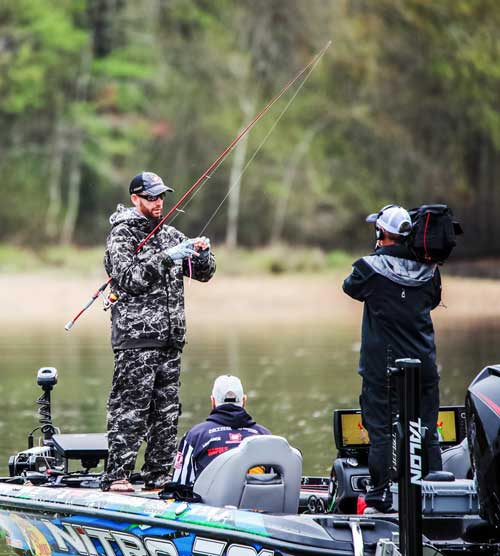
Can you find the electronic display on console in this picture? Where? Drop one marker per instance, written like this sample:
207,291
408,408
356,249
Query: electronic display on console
349,433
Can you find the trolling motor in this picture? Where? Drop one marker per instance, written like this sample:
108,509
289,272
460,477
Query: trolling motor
39,458
50,460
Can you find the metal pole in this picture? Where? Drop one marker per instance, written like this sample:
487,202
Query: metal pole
410,482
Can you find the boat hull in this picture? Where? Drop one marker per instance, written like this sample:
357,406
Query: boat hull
43,521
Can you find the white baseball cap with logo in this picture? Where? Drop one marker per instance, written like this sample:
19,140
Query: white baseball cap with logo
392,219
227,389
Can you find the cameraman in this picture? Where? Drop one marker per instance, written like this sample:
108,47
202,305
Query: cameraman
399,294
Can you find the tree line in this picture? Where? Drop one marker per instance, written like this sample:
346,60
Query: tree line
404,107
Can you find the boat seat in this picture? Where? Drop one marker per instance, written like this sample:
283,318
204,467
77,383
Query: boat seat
226,481
457,460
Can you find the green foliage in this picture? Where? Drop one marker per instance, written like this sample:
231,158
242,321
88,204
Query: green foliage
42,40
404,107
15,259
338,259
280,259
79,261
69,259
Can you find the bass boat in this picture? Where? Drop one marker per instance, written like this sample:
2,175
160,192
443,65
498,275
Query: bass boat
48,508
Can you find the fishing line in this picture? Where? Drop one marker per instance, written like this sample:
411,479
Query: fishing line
256,152
250,160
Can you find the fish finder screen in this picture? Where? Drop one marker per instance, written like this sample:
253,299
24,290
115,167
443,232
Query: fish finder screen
446,426
353,434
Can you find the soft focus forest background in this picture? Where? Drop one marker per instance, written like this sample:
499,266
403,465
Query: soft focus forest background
404,107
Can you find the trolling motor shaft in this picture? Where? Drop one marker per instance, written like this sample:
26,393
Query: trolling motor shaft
47,379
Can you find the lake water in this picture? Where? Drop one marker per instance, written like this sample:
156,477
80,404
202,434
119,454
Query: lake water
295,374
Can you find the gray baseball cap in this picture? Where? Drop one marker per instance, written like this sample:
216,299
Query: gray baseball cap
392,219
148,183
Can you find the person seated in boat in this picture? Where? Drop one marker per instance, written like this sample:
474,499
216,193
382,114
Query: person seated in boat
224,429
398,293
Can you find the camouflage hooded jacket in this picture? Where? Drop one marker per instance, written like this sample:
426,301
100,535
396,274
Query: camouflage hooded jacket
149,312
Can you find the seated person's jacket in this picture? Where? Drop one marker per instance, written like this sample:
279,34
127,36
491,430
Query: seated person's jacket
225,428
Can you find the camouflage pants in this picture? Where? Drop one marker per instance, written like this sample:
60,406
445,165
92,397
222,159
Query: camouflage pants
143,404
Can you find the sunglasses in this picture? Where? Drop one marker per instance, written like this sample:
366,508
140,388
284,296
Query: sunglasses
152,198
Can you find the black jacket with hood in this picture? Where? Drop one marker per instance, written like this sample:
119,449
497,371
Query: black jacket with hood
399,294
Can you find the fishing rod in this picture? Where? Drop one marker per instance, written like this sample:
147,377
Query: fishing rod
204,176
257,150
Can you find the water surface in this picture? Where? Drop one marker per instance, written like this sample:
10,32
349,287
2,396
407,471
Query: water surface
295,374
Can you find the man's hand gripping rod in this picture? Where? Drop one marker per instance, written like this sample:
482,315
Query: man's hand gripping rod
206,174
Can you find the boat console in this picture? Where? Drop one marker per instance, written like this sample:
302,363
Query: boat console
349,476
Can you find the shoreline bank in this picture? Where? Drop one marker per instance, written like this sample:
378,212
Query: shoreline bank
50,299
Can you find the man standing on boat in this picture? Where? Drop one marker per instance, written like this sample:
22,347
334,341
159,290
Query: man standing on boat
148,332
224,429
398,294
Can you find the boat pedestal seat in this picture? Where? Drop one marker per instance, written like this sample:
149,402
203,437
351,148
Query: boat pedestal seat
226,481
440,476
457,460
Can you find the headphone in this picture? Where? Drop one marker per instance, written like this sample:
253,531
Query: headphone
379,233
